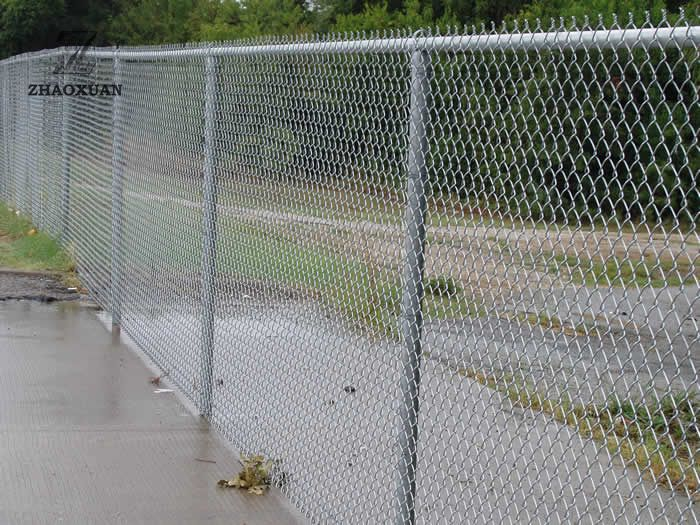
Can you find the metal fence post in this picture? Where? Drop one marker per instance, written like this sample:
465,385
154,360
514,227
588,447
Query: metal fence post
414,263
30,144
26,137
4,103
208,239
117,199
6,136
65,156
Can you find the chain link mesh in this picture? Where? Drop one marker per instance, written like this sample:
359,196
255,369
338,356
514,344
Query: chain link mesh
434,278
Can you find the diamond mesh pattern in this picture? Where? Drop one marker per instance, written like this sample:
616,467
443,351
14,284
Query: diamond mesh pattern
435,278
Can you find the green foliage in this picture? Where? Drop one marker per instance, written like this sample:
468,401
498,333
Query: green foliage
376,17
590,134
33,24
154,21
271,17
217,21
27,25
442,285
546,10
625,150
674,416
23,247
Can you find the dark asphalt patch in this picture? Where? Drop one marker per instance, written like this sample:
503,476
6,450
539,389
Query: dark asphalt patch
34,286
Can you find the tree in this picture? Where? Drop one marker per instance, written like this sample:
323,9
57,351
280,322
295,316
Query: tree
216,20
29,25
272,17
153,22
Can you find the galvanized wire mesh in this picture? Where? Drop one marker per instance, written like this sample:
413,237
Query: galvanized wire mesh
434,278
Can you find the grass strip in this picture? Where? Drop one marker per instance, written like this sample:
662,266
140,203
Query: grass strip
24,247
660,436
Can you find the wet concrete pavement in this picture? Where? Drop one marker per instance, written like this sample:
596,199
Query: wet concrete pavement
84,438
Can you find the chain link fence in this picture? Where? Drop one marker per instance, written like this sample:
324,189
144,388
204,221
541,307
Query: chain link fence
435,278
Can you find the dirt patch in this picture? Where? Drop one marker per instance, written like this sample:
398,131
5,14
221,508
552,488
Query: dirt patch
35,286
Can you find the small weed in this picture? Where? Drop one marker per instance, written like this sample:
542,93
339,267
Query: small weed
442,286
255,476
552,322
443,299
540,319
445,307
673,416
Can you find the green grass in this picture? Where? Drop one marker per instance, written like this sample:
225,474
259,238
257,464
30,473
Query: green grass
22,247
553,323
365,294
609,271
362,292
444,299
346,202
660,436
381,201
644,272
442,286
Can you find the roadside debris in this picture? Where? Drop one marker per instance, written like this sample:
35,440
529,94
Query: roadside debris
255,476
155,380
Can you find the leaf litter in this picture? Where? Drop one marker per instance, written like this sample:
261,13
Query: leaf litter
255,476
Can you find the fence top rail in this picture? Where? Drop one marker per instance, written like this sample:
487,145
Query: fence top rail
679,36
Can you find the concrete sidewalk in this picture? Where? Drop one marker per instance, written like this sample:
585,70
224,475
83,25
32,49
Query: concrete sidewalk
84,438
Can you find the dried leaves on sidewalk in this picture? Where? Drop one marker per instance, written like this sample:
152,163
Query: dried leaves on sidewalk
255,475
